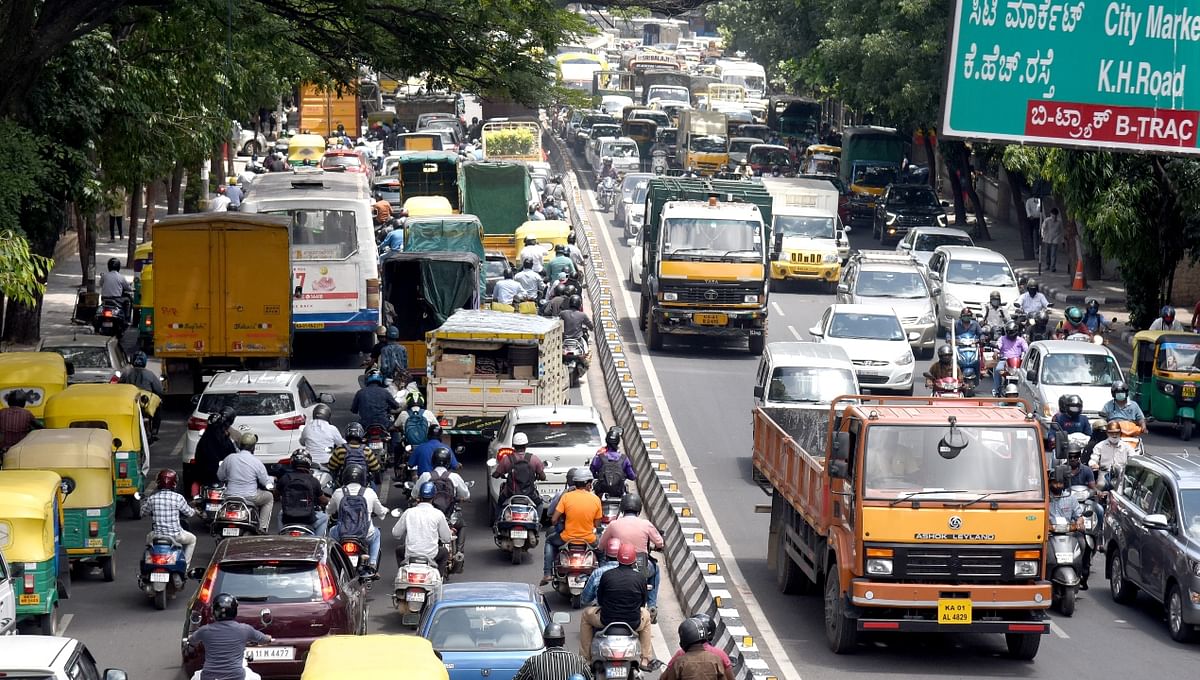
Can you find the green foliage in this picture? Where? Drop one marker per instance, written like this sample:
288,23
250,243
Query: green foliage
22,273
509,143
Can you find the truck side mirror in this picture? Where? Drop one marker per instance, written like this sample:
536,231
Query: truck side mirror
839,456
758,392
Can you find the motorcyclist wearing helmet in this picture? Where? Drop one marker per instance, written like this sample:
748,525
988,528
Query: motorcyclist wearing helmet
1010,346
1166,320
1120,407
354,482
555,663
421,456
141,377
506,469
319,436
1070,418
301,498
443,461
1095,322
559,297
355,452
1109,456
580,511
561,262
632,529
1064,506
423,530
530,280
1032,301
1040,330
246,477
611,467
620,598
374,404
393,357
1072,324
966,326
994,314
696,661
612,549
709,628
224,642
165,506
115,288
607,170
533,251
575,321
942,367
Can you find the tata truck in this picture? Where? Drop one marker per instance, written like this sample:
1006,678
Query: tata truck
704,140
498,193
322,110
704,261
909,515
871,158
807,234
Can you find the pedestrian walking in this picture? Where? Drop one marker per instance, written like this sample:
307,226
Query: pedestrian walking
116,215
1033,221
1052,236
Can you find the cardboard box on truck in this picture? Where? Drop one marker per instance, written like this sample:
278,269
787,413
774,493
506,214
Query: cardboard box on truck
323,109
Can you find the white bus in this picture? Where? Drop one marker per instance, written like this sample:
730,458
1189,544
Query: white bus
335,270
747,74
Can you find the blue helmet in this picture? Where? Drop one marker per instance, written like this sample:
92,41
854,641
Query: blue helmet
426,491
375,378
139,360
393,333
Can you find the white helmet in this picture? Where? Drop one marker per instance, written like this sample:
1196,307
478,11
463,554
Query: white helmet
520,439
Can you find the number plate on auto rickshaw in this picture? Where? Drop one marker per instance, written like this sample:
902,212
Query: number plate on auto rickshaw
30,599
1189,391
954,611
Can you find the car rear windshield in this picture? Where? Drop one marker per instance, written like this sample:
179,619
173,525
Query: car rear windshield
560,434
84,357
482,628
259,583
865,327
248,403
343,161
891,284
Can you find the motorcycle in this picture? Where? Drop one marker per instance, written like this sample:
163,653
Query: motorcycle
575,354
608,188
379,441
110,318
610,506
1091,524
616,652
163,571
1010,372
516,528
967,348
416,584
458,540
1065,564
575,563
235,517
209,501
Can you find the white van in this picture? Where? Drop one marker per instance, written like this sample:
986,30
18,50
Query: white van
803,375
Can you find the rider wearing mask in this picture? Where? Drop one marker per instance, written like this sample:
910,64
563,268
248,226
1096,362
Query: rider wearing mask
633,530
224,641
1070,418
320,437
1011,346
1064,506
1032,301
423,530
114,288
581,513
994,314
621,598
246,477
966,326
1109,456
530,280
1092,318
165,506
1081,475
1072,324
607,170
1166,320
1121,408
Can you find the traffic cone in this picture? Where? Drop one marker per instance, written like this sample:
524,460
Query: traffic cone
1078,283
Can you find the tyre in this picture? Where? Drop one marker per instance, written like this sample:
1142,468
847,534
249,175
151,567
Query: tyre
841,631
48,623
250,148
757,344
1122,590
517,555
1023,646
654,339
1066,603
644,313
632,284
64,584
576,602
160,599
788,577
108,566
135,509
1180,630
1185,430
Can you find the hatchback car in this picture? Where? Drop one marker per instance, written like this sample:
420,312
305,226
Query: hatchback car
96,358
884,277
563,437
634,212
903,207
295,589
875,342
274,405
1152,534
487,629
922,241
43,657
1054,368
965,276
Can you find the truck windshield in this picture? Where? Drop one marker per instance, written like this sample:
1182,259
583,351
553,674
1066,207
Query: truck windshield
670,93
804,226
710,144
874,176
902,459
700,235
320,234
809,384
890,284
1092,370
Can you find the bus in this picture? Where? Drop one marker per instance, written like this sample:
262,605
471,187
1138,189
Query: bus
335,270
575,69
749,75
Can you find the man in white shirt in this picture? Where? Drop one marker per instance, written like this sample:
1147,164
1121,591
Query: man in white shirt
529,279
441,466
220,202
1032,300
533,251
1033,218
1052,236
423,530
246,477
319,437
507,288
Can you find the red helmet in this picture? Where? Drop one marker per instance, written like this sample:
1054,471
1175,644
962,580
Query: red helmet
167,479
627,555
613,549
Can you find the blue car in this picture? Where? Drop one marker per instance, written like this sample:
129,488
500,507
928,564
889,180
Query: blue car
487,629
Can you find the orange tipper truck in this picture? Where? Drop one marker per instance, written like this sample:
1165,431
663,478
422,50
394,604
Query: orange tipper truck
912,514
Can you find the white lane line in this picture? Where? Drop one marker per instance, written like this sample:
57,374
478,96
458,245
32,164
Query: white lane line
1058,631
778,309
795,333
63,623
177,450
771,641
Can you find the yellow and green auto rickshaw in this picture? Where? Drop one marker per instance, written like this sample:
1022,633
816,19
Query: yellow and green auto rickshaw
306,150
549,233
40,375
373,656
1165,377
118,409
90,512
31,513
143,294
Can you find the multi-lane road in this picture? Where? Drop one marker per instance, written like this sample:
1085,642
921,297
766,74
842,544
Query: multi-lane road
701,398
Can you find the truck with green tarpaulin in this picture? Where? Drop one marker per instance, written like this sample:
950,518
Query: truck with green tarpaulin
498,193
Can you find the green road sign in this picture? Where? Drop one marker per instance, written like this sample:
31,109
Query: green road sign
1116,75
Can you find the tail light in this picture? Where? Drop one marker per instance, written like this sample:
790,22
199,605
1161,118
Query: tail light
235,514
197,424
503,452
350,548
148,322
164,558
206,586
108,312
29,583
122,470
292,423
93,529
213,494
521,516
417,577
328,589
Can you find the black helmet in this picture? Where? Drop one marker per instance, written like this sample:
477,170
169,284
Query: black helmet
301,460
1093,306
553,635
570,237
355,431
435,431
560,290
994,298
710,626
575,302
613,437
354,474
222,418
322,412
1074,314
224,607
1041,318
441,457
1061,474
691,633
1168,314
631,504
1071,404
1011,329
139,360
1031,286
945,354
114,265
1119,386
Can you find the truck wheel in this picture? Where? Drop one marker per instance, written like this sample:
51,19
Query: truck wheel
788,577
644,314
841,631
1185,430
654,339
1023,646
757,344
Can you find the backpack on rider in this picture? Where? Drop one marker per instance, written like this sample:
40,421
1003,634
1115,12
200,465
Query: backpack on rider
444,493
521,478
611,480
298,504
354,514
416,428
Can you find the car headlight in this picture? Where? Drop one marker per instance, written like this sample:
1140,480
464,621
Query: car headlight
927,317
830,258
905,359
749,299
1195,567
942,220
878,567
951,301
1027,567
670,297
891,217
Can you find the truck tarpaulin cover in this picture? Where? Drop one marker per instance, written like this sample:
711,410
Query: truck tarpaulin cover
496,192
809,427
450,234
487,323
426,288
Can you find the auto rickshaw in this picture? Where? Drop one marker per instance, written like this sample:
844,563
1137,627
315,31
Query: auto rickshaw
31,506
117,408
143,294
548,233
90,512
1165,375
306,149
40,375
428,206
373,656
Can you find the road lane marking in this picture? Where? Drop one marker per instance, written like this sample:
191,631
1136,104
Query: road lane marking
769,639
795,333
177,450
1058,631
63,623
778,309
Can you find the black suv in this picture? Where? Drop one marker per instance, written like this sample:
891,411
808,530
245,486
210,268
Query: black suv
903,207
1152,537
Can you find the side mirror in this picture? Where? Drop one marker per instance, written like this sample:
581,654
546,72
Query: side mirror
1156,522
68,486
839,456
816,332
196,573
1089,513
471,484
488,433
843,289
905,246
934,276
17,570
117,443
937,290
491,462
1031,376
758,392
195,400
774,255
325,398
945,204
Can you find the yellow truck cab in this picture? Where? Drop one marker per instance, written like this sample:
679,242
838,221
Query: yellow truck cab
806,230
703,140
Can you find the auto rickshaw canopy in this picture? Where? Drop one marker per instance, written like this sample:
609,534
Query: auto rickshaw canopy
306,148
27,514
375,657
83,454
114,407
553,232
428,206
40,374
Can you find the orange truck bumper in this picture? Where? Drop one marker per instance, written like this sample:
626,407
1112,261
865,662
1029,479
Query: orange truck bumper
932,607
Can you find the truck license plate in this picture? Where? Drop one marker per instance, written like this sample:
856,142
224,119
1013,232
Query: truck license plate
159,577
710,319
954,611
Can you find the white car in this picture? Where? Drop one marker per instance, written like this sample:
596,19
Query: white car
274,405
965,276
50,658
634,211
635,263
563,437
629,184
875,342
1052,369
920,242
8,597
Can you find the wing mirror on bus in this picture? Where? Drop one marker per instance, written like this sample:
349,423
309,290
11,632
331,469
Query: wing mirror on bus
839,456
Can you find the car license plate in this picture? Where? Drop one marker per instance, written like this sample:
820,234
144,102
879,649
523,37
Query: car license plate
125,482
231,531
954,611
415,596
212,507
375,446
30,599
159,577
518,533
106,324
1189,391
616,672
710,319
271,653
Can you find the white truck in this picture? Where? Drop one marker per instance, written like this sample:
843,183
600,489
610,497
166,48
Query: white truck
810,241
482,363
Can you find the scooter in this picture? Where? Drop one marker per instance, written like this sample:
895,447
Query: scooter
967,350
604,195
458,540
616,652
417,583
516,529
110,318
1010,372
1064,561
1091,525
163,571
378,440
575,563
235,517
575,352
209,501
946,387
610,506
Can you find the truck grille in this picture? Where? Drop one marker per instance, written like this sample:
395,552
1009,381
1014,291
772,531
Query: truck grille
807,258
966,563
712,295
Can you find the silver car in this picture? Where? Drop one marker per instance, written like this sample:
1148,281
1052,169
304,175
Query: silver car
1054,368
870,277
922,241
96,358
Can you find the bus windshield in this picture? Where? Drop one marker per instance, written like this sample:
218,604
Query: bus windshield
320,234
